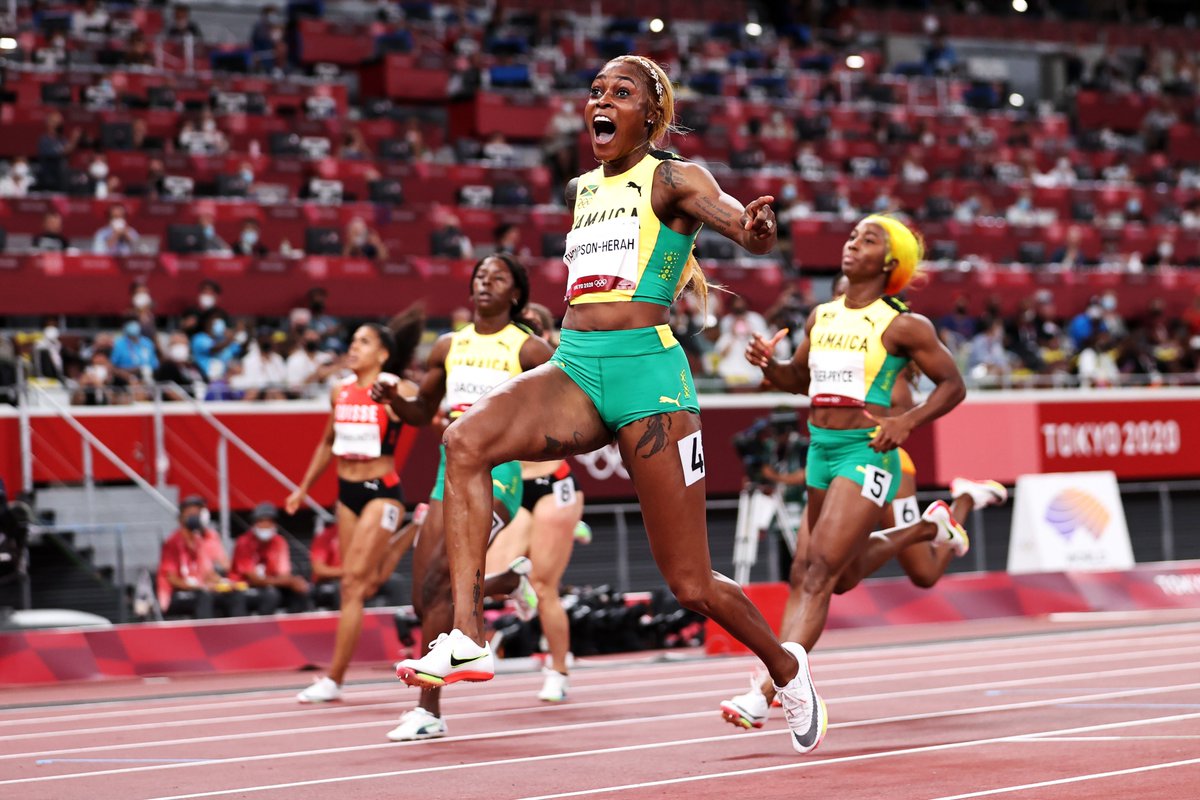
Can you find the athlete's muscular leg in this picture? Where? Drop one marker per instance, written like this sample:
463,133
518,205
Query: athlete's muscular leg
551,544
367,547
799,562
538,414
926,564
677,529
398,544
888,543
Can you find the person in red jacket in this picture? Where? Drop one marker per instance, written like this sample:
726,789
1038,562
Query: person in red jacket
188,582
261,559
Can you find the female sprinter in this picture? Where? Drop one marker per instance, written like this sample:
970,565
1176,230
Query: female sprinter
618,373
463,367
854,352
362,434
551,510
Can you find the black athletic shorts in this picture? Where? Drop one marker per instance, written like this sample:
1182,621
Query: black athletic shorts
560,483
355,496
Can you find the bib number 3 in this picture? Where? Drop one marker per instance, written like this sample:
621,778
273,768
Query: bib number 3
876,483
691,456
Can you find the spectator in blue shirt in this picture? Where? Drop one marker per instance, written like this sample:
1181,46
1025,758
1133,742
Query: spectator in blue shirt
214,346
116,238
134,352
1086,324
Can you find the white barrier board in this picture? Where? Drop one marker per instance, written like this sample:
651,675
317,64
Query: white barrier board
1068,521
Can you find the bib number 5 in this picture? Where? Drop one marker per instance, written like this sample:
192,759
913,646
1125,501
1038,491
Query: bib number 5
876,483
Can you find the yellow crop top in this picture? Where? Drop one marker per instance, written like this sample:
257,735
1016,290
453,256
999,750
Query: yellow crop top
847,362
478,363
617,249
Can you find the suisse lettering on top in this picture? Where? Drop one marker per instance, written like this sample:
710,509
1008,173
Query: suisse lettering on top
356,413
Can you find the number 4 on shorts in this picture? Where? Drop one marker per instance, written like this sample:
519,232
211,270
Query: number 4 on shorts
691,456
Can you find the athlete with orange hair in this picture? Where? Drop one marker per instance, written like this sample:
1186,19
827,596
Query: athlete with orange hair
856,348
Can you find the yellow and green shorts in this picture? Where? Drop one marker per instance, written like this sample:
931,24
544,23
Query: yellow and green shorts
629,374
848,454
507,485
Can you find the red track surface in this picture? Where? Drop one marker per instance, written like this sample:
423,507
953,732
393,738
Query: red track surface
1069,708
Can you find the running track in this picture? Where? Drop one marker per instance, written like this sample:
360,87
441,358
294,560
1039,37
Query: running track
1061,708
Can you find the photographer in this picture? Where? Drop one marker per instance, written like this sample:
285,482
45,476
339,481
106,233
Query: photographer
188,579
773,453
14,549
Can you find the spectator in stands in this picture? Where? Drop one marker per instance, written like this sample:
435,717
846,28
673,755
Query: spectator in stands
212,242
134,355
204,137
1086,324
153,185
912,171
1022,212
182,24
307,364
1097,361
361,241
449,241
940,58
324,324
215,345
102,182
1070,255
267,30
140,141
1163,253
116,238
248,242
960,321
50,239
100,384
261,559
54,148
141,307
738,327
506,238
18,180
137,52
194,514
48,352
177,366
188,581
263,373
987,357
91,19
354,146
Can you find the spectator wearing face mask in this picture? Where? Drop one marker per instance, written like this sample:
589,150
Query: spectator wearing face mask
50,240
18,180
264,372
100,384
307,365
248,242
116,238
102,182
212,242
141,307
208,301
189,570
261,559
134,353
215,346
48,352
177,367
363,242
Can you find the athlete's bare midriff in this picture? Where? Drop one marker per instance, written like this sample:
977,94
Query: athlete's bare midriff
615,316
359,470
847,419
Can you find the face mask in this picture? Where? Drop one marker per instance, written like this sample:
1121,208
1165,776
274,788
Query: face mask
98,170
193,522
118,224
310,347
141,300
249,238
51,333
789,192
317,307
209,230
264,534
218,328
1024,204
1133,207
178,352
1108,303
207,300
133,329
247,176
209,125
21,170
215,370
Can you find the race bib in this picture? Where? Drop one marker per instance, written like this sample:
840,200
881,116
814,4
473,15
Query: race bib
905,511
876,483
691,456
564,492
602,257
357,439
837,374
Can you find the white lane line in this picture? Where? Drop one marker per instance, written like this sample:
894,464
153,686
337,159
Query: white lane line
658,745
1108,738
555,729
916,654
987,689
818,762
606,689
1095,776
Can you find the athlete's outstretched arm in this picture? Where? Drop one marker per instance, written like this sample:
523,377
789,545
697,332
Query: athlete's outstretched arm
914,335
789,376
320,460
419,410
690,191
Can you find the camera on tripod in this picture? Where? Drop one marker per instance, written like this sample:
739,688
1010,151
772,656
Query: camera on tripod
771,441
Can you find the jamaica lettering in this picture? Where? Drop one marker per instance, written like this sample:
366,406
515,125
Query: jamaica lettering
584,220
840,341
473,360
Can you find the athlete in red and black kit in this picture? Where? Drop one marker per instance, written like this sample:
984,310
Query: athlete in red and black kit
362,434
